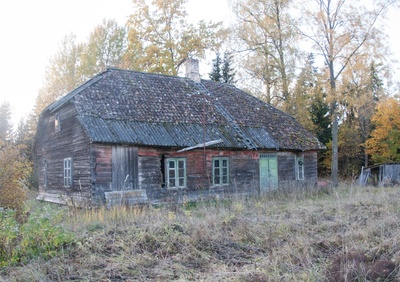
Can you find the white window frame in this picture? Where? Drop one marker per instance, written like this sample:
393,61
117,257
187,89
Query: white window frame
220,173
67,172
299,168
176,175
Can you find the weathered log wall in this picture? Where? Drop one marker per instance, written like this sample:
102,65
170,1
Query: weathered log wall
53,146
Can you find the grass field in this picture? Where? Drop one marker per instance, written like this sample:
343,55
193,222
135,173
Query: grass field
344,234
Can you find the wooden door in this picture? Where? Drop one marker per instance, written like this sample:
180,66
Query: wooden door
268,172
124,168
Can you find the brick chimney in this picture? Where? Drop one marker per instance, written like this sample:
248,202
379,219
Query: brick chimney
192,69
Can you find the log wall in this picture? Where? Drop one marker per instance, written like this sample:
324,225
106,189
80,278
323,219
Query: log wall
54,146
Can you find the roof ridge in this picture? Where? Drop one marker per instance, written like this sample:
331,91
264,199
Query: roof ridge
148,73
63,99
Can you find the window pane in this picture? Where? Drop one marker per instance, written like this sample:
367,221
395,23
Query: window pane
181,173
181,164
171,164
224,163
181,182
171,182
225,175
216,163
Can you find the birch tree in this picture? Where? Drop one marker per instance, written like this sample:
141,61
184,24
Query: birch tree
160,37
75,62
106,47
265,36
339,30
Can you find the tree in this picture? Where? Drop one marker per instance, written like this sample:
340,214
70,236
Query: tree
222,70
340,30
5,121
75,63
362,88
215,74
265,33
384,143
160,38
106,47
228,73
306,88
62,74
13,172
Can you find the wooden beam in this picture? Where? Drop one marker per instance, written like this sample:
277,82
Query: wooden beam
201,145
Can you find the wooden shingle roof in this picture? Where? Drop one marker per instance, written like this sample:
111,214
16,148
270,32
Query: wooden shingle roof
129,107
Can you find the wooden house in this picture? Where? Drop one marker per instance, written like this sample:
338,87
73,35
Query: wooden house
127,136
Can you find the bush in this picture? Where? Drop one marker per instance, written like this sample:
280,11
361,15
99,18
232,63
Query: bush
41,236
13,171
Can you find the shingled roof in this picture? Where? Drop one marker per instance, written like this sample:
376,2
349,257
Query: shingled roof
129,107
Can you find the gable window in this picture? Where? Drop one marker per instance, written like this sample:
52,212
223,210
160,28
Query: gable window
176,172
68,172
299,168
220,171
57,122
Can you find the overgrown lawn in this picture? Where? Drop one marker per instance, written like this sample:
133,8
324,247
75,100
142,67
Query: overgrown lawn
346,234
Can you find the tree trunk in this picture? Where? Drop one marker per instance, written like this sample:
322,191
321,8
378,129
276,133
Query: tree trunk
334,165
335,125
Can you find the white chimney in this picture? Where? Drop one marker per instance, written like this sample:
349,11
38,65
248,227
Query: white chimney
192,69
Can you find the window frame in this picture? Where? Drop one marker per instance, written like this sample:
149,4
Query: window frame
176,173
220,168
57,122
300,168
67,173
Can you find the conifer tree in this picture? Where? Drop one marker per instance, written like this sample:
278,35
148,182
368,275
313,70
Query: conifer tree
222,70
215,74
228,73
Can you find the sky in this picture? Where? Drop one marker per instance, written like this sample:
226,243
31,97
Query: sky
31,33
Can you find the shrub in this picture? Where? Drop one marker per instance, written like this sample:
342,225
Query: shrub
13,170
41,235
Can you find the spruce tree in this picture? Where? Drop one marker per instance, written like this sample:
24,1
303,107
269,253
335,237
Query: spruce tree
215,74
228,73
222,70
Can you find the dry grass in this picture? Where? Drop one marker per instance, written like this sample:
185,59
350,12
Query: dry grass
348,234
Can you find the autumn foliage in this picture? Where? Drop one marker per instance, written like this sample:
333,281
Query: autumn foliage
13,171
384,144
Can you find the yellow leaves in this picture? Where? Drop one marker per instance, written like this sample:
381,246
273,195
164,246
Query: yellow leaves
13,169
166,38
383,145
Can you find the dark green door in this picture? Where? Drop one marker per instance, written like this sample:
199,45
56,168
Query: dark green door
268,172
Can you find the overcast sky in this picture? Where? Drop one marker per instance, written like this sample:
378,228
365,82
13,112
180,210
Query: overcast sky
31,32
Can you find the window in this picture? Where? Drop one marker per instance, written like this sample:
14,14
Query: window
57,122
67,172
220,171
176,173
299,168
